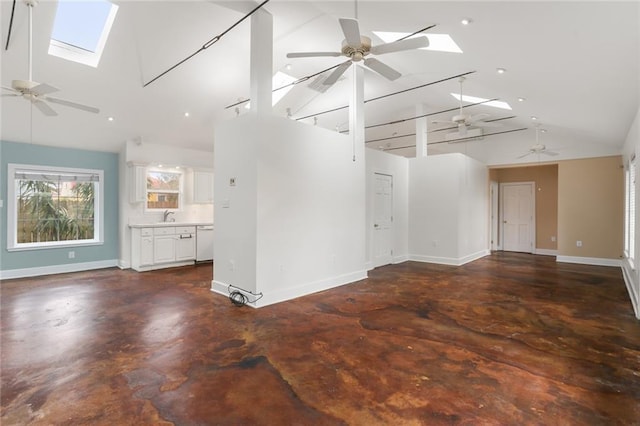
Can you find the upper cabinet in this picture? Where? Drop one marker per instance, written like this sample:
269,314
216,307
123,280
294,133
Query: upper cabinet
202,187
137,183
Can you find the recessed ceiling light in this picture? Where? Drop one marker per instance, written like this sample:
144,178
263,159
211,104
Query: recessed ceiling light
501,70
288,67
186,114
110,118
543,130
521,99
534,118
466,21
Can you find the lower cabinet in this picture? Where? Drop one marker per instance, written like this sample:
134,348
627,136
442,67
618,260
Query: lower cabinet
162,247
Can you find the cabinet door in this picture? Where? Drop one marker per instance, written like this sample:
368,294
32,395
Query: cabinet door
164,249
146,251
186,247
137,183
202,187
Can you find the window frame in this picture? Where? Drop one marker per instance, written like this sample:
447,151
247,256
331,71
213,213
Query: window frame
630,211
12,208
179,191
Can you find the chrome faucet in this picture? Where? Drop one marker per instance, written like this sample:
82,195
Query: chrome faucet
166,215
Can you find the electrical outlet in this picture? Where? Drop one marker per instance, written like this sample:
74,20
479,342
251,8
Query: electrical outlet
553,238
578,243
72,254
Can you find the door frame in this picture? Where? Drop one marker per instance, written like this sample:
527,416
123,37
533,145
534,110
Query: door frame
495,243
532,231
373,218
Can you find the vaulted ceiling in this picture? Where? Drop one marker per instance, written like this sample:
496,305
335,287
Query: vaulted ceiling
576,64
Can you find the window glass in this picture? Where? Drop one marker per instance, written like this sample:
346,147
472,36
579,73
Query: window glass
163,190
53,206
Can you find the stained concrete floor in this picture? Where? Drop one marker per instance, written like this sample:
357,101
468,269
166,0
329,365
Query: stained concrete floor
508,339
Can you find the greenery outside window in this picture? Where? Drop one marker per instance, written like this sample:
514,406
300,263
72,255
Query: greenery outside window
164,190
53,206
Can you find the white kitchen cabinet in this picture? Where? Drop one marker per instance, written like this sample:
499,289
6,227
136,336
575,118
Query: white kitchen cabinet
202,187
164,249
137,183
161,246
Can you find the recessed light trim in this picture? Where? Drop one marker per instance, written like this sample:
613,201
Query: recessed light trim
186,114
534,118
501,70
522,99
110,118
466,21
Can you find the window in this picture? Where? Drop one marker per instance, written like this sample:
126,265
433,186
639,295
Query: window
630,211
53,206
164,190
81,29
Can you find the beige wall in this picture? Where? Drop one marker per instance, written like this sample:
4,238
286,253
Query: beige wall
546,179
591,207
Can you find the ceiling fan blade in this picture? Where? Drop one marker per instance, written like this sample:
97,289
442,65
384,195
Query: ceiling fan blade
11,94
10,89
552,153
382,69
524,155
43,89
312,54
351,31
400,45
44,108
73,105
337,73
442,122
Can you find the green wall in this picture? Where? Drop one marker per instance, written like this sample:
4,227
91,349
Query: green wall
23,153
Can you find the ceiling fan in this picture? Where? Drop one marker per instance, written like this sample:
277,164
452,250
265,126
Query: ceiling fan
357,47
464,121
538,148
36,92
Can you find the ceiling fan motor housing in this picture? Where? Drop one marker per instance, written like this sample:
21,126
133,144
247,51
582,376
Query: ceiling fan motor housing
357,53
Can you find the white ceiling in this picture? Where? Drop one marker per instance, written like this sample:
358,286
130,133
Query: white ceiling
576,63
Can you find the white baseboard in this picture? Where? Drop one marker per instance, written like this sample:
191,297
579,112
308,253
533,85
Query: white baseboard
56,269
449,260
123,264
294,292
627,274
596,261
546,252
400,259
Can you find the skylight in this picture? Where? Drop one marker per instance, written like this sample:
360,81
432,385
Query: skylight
279,80
437,42
81,29
474,100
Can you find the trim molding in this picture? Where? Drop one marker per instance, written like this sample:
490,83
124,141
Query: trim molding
627,274
546,252
450,260
400,259
57,269
596,261
281,295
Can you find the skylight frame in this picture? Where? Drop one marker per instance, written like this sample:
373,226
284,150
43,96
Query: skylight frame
281,84
80,55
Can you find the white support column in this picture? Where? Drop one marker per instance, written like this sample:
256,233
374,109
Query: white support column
356,111
261,62
421,131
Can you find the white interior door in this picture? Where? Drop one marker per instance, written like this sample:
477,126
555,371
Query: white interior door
518,216
382,220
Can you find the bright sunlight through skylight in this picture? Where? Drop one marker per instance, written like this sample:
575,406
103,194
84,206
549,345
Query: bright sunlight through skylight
437,42
81,29
279,80
474,100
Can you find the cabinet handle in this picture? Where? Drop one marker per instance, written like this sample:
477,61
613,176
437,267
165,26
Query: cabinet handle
183,237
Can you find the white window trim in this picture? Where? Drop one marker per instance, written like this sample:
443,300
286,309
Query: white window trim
12,209
180,190
72,53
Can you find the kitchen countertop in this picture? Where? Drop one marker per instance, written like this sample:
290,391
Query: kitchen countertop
164,224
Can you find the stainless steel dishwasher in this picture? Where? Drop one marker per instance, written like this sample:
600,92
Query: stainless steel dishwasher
204,243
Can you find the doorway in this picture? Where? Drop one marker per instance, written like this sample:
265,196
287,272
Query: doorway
517,224
382,220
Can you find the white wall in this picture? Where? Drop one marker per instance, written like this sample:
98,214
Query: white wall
632,279
448,209
398,167
297,225
153,154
